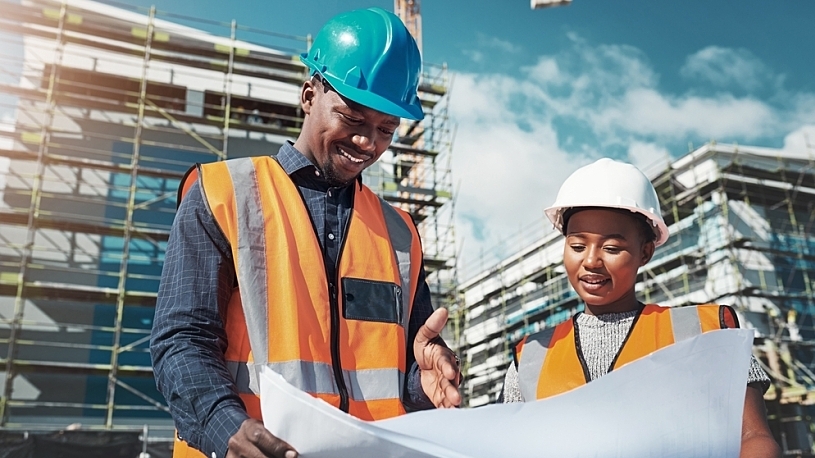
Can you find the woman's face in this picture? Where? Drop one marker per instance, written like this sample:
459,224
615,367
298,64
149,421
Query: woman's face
604,250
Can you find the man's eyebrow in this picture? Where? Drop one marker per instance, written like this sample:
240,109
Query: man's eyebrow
358,108
394,122
354,106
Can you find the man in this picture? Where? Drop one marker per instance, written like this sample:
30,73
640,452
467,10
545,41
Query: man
293,264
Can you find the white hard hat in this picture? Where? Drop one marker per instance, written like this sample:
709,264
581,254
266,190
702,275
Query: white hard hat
611,184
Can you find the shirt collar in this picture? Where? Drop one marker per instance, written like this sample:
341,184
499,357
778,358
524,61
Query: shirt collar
293,161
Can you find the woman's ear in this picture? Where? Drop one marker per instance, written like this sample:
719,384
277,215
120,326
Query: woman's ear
647,252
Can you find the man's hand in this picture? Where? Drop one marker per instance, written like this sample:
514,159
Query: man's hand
437,363
253,440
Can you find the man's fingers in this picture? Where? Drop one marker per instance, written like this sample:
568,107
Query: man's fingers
432,327
274,446
452,395
445,394
253,439
451,392
447,366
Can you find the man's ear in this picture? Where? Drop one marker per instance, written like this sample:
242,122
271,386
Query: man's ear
307,93
647,252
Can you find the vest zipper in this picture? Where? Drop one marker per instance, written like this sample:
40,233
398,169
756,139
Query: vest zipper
335,312
336,363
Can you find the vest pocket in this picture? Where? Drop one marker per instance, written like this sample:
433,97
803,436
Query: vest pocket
370,300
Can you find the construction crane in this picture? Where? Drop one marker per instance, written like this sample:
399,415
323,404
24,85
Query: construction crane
538,4
408,12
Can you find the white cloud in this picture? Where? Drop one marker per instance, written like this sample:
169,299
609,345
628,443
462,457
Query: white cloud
493,46
725,67
520,135
614,89
475,55
648,157
801,142
645,111
485,41
508,174
546,71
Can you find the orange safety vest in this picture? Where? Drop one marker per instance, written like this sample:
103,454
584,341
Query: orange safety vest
344,339
549,362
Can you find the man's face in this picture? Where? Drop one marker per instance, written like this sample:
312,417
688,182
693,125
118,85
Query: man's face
342,138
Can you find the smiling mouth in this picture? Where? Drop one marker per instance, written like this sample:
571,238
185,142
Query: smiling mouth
348,156
594,283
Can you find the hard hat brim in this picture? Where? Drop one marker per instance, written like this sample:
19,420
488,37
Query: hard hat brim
371,100
555,216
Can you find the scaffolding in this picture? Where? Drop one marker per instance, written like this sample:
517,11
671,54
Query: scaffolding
104,108
741,221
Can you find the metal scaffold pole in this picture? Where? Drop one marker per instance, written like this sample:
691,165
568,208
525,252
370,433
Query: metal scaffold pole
33,215
228,91
128,225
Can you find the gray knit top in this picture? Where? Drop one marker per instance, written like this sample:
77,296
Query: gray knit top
601,337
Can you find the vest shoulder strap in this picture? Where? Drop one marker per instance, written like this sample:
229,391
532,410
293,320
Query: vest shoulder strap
532,356
400,233
691,321
685,322
717,316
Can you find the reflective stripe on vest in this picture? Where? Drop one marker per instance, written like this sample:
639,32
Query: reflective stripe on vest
250,261
548,363
316,378
279,262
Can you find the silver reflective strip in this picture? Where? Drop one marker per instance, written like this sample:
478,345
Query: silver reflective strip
685,323
318,378
532,357
401,240
251,258
311,377
374,384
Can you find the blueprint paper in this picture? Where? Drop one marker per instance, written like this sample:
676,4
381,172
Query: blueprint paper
683,401
317,429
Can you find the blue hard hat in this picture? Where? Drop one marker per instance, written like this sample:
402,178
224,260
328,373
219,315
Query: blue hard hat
368,56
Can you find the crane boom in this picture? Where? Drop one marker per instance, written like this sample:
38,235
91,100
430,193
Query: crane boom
538,4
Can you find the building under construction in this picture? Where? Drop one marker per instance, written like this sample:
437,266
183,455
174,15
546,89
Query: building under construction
105,107
741,222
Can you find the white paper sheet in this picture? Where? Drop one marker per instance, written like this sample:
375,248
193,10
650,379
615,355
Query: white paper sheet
683,401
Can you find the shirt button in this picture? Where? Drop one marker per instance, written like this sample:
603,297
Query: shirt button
214,455
330,236
329,193
317,172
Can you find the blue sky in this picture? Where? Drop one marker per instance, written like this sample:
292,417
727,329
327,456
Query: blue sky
537,93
